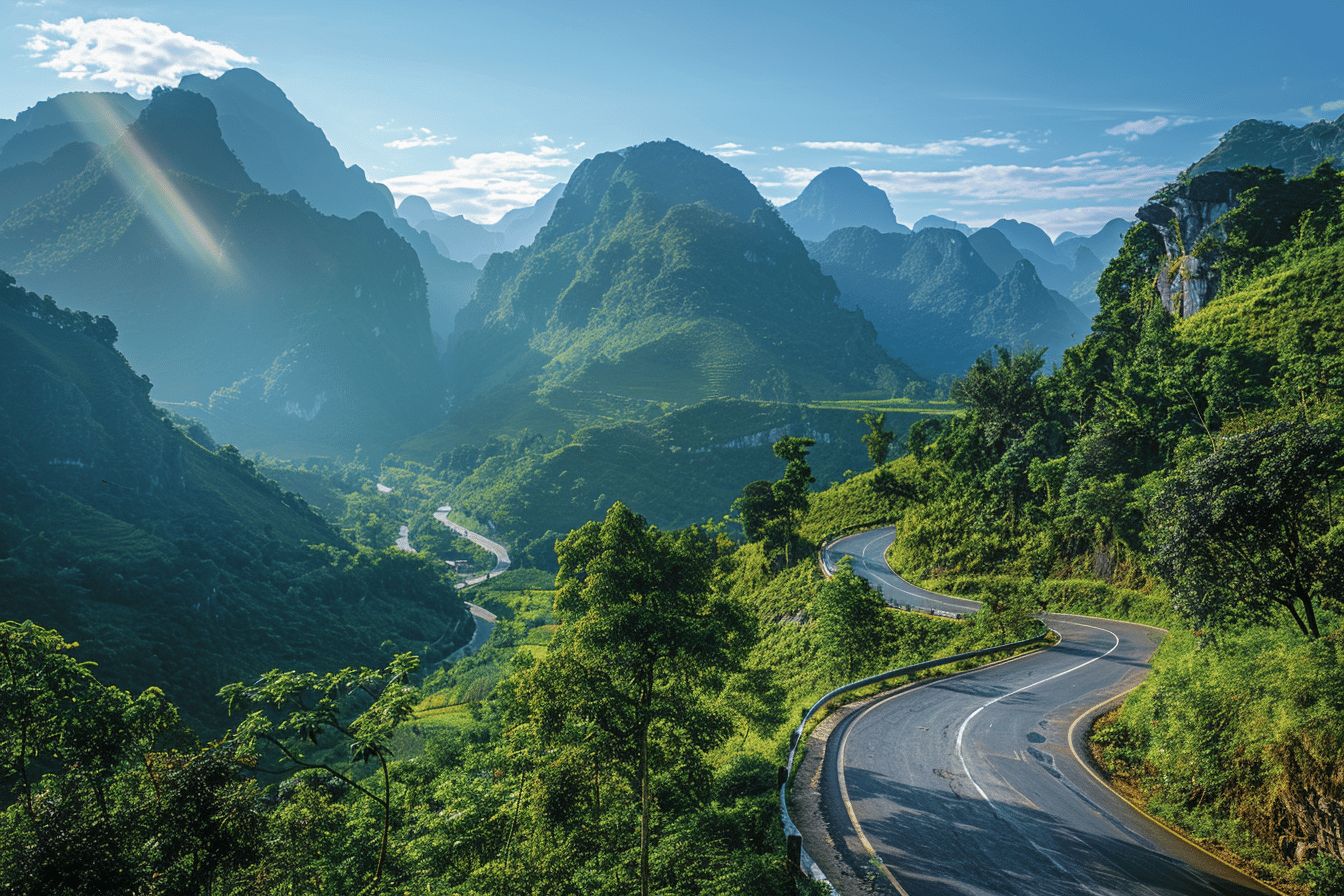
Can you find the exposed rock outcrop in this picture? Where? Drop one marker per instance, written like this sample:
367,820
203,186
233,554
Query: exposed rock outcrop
1184,214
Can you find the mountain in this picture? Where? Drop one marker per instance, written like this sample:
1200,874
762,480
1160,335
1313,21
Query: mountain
938,304
995,249
463,239
174,565
1070,264
663,275
1028,239
520,226
454,236
1272,144
928,221
1104,244
37,132
836,198
287,329
283,151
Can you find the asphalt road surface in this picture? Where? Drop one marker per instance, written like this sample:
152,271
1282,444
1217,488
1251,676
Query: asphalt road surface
974,783
484,620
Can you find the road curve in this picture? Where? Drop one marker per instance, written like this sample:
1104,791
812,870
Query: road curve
483,619
502,561
975,783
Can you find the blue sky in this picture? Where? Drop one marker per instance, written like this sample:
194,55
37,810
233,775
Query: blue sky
1064,113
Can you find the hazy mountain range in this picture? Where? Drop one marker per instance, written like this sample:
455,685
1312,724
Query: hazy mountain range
838,198
663,275
461,238
286,328
639,280
938,304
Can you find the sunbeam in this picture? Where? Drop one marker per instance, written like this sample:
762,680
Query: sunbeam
160,199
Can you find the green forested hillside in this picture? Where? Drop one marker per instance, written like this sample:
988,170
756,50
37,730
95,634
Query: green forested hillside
937,303
1293,150
1186,470
663,275
679,468
174,565
285,329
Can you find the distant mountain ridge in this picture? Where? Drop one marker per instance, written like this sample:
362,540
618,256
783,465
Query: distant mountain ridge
928,221
663,274
938,304
460,238
1272,144
837,198
288,329
80,117
284,151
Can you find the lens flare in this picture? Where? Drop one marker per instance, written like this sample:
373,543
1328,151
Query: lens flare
145,181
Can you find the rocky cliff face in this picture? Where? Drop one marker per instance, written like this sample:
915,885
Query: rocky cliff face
1185,214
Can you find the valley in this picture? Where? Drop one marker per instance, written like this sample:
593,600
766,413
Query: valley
431,477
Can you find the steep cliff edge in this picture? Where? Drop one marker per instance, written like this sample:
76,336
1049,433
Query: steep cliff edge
1185,214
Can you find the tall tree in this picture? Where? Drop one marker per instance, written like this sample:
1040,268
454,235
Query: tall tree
791,489
849,617
1256,524
645,640
878,438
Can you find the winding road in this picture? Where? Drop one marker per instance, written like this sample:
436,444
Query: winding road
976,783
484,620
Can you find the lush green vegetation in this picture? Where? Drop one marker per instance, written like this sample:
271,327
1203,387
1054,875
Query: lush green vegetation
176,564
681,467
348,494
620,732
1187,474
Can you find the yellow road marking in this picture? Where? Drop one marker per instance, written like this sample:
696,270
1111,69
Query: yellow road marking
1139,809
844,741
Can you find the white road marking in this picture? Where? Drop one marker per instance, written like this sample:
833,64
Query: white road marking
900,585
961,734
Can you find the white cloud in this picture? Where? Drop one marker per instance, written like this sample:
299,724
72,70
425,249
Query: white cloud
1146,127
1322,109
130,54
1092,158
1002,185
419,138
732,151
935,148
484,185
